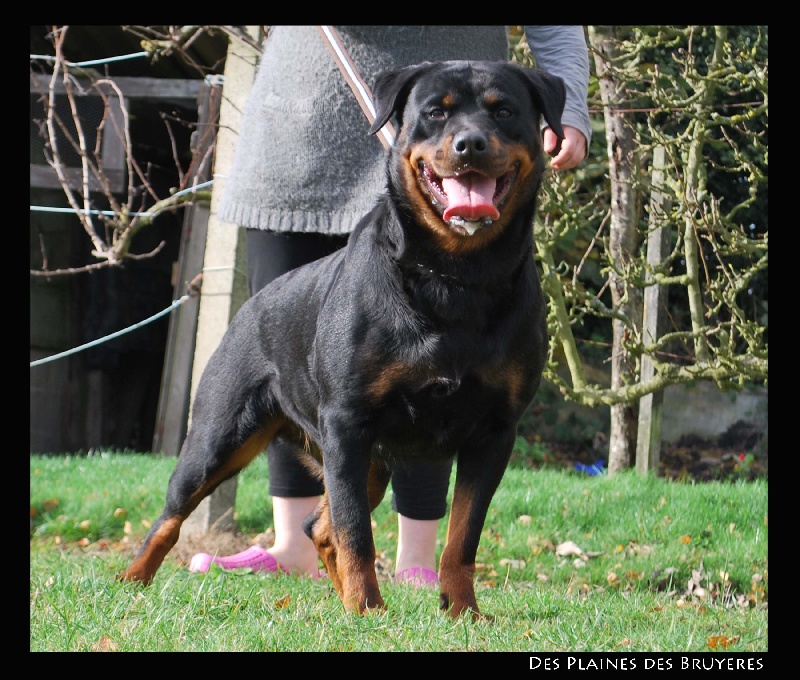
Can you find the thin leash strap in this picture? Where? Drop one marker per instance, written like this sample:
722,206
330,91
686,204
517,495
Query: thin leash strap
363,95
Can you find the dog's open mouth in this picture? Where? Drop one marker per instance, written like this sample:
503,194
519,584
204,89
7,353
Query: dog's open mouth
469,201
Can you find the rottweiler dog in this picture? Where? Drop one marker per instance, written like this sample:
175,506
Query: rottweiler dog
424,337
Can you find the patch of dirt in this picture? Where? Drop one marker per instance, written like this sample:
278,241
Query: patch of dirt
221,542
704,463
738,454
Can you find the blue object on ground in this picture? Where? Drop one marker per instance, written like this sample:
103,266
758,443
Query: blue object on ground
592,470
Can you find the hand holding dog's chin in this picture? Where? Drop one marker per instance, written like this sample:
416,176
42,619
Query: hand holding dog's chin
573,148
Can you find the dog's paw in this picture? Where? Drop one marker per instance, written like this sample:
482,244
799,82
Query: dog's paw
133,576
456,610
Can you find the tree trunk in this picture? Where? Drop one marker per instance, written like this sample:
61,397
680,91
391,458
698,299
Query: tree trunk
623,241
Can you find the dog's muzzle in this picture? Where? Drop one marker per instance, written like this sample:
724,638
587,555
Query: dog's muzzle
468,201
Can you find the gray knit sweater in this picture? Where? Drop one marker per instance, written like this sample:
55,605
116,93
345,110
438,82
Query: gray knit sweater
304,161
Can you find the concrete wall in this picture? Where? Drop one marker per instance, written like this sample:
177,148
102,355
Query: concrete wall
704,410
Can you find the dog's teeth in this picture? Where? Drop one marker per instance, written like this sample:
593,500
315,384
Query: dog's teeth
470,226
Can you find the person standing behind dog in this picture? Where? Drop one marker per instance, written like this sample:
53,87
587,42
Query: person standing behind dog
304,172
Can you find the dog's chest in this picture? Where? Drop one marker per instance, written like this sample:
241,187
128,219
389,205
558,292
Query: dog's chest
434,414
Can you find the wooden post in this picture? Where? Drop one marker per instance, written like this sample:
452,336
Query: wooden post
648,443
173,401
224,268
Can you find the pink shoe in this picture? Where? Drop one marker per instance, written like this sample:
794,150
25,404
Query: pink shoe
254,558
419,577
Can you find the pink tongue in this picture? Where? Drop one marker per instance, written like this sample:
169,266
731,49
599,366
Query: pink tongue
469,197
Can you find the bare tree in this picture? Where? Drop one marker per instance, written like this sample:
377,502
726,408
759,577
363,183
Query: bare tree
110,230
701,94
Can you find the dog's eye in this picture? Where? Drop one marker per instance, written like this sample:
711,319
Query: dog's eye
437,114
503,112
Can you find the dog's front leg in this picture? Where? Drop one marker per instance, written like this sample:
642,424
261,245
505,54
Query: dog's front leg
479,469
341,527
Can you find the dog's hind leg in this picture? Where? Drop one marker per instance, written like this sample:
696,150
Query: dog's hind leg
348,555
204,463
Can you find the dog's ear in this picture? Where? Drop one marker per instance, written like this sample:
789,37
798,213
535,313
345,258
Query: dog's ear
549,94
391,92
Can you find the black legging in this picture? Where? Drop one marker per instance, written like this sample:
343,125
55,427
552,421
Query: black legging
419,489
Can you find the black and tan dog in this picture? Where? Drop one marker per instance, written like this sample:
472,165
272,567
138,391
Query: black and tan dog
423,338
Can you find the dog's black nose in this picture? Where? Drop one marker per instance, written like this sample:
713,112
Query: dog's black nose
470,144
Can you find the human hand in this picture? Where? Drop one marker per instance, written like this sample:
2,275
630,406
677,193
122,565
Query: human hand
573,147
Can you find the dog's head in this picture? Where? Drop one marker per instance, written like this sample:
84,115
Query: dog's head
468,155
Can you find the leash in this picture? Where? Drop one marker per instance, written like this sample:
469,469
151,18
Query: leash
360,89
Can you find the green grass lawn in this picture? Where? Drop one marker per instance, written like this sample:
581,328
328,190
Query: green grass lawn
567,563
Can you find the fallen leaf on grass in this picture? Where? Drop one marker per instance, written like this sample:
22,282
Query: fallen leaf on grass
47,506
694,586
104,644
285,601
570,548
721,641
514,564
538,545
